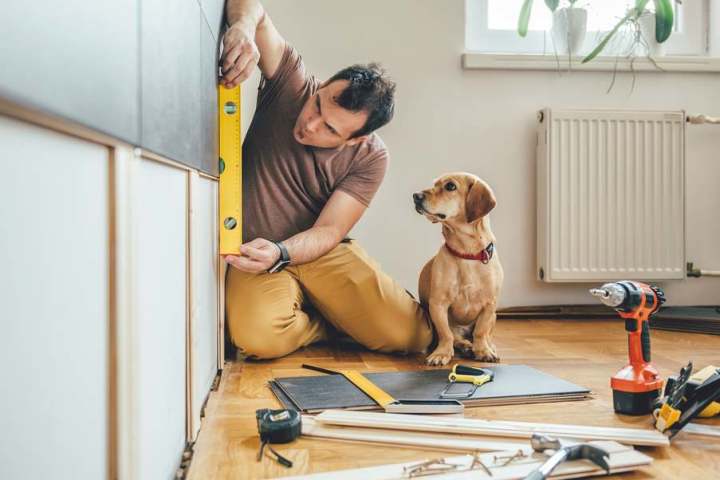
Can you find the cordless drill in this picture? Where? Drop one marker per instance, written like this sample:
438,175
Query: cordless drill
636,386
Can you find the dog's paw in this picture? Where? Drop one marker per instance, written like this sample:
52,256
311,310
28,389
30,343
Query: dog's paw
464,348
486,355
441,356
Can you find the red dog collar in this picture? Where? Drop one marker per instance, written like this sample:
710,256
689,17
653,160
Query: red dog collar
484,256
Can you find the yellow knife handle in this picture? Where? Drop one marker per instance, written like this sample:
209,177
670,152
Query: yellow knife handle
475,380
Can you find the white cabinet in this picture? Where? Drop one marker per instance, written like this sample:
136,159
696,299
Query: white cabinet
54,305
204,325
109,325
159,213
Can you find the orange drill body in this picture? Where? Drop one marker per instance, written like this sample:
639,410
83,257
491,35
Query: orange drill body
638,384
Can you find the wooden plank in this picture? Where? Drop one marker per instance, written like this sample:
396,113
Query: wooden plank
311,428
621,459
700,429
486,427
125,164
190,237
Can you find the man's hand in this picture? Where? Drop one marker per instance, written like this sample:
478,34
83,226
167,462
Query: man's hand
257,256
240,54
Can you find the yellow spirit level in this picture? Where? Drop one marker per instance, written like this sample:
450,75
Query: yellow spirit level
230,168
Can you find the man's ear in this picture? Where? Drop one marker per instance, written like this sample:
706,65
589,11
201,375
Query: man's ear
479,201
356,140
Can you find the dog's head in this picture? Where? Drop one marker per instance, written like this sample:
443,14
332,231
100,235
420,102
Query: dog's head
456,197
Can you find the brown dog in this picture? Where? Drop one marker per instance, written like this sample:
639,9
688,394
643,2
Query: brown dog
462,282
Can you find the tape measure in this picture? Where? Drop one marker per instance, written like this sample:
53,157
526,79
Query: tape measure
277,426
230,168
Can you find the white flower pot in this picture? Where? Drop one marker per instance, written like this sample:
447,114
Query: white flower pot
568,30
647,30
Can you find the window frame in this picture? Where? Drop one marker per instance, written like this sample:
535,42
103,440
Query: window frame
683,41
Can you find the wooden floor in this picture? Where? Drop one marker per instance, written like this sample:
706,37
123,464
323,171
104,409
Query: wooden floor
584,352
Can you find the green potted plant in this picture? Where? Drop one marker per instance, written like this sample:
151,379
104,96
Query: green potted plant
650,28
569,26
636,18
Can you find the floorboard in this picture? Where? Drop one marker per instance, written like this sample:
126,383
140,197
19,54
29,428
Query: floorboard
586,352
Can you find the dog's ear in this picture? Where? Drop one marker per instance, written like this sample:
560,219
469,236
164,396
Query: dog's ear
479,201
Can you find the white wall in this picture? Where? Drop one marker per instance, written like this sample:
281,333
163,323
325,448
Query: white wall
484,122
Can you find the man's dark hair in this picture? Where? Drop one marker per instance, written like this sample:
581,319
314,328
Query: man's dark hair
370,90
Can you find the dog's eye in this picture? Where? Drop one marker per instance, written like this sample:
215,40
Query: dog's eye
450,186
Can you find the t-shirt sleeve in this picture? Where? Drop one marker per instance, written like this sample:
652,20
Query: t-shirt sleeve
363,181
289,81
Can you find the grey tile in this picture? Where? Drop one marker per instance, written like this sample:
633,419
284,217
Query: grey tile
78,60
170,97
208,99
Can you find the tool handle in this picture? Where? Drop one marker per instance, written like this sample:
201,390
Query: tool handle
645,340
535,475
466,370
542,472
639,341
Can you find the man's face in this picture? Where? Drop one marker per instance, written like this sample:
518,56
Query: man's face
324,123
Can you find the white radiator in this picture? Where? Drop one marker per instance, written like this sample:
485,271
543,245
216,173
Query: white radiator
611,195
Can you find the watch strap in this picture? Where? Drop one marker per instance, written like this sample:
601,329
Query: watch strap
283,261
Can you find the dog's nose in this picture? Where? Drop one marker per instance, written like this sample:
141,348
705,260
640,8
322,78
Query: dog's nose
418,197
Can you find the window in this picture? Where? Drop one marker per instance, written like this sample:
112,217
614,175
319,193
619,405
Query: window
491,27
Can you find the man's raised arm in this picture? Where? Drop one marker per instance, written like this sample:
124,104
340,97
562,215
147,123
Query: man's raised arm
251,39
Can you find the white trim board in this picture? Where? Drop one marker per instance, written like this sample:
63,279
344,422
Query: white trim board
513,61
435,441
701,429
498,428
622,459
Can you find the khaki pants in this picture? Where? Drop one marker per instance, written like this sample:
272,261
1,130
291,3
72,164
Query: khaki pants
271,315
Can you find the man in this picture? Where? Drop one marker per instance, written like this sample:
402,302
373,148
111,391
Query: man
311,165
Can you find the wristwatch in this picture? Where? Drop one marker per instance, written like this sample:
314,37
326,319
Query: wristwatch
283,261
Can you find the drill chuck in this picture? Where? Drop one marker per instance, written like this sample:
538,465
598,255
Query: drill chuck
611,294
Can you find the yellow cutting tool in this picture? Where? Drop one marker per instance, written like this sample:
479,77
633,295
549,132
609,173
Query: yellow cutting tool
469,375
230,168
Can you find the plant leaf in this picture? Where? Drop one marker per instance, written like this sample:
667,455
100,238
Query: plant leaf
663,19
603,43
524,18
553,4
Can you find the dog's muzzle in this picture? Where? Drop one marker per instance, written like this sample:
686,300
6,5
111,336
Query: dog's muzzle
419,199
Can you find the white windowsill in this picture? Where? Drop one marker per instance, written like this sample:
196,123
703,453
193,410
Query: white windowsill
512,61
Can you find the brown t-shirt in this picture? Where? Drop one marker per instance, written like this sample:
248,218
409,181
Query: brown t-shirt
287,184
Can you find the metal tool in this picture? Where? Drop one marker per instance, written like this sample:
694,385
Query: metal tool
637,385
686,397
563,452
277,426
473,377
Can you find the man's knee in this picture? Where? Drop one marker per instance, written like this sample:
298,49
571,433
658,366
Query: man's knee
254,334
263,347
252,329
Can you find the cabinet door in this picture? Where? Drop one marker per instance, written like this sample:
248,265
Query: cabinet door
160,279
54,328
76,59
204,294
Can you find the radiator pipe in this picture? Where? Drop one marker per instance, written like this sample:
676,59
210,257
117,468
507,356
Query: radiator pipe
697,273
699,119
